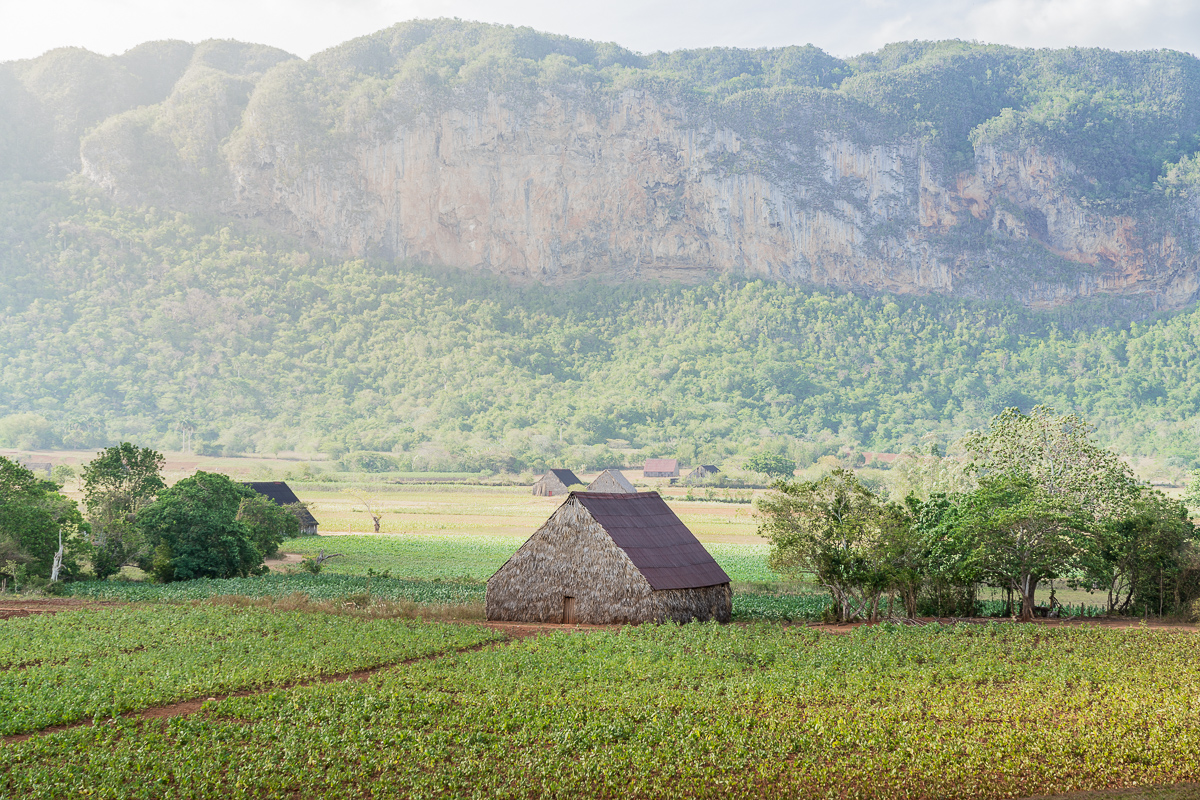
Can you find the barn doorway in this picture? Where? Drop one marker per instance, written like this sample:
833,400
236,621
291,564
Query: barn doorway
569,611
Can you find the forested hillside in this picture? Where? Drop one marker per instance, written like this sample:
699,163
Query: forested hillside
127,323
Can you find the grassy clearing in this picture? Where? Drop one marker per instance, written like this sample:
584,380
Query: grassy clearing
698,711
484,511
91,663
476,557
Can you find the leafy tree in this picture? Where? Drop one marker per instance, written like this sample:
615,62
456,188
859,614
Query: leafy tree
771,464
1139,557
208,526
1056,453
117,485
940,561
34,519
925,475
834,529
1022,534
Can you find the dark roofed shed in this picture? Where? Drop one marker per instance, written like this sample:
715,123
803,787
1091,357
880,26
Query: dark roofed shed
610,558
282,495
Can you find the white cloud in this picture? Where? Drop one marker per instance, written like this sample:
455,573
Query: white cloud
844,28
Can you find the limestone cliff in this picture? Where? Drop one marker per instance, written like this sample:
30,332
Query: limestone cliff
561,180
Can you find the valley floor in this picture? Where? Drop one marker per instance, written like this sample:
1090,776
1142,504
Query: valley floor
219,699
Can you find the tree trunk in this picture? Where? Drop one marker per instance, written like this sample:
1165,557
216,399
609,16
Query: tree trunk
1028,589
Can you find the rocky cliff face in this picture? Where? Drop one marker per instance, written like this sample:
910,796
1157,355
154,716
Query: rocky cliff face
552,184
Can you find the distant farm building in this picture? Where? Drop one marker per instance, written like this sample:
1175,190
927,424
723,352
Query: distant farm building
606,558
701,472
661,468
613,482
555,483
282,495
43,467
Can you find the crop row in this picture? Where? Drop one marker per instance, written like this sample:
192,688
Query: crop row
91,663
318,587
698,711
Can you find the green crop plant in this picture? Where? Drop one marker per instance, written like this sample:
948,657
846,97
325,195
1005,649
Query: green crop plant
700,710
96,663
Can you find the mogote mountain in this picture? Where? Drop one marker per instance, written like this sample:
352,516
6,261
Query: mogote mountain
980,171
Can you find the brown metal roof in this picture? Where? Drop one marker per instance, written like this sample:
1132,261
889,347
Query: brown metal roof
656,541
660,465
567,477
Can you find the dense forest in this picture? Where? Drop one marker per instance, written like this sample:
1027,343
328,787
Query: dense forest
119,323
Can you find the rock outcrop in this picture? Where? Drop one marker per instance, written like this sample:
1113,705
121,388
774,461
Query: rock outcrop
562,182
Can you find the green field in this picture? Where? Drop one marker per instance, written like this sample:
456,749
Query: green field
95,663
319,587
451,556
694,711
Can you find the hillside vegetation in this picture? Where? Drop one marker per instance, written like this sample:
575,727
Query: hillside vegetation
981,171
124,324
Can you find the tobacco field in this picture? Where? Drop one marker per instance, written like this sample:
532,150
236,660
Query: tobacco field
96,663
694,711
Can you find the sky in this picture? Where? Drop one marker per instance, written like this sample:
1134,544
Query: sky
840,27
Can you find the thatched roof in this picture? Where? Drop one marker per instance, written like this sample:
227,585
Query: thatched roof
655,539
611,480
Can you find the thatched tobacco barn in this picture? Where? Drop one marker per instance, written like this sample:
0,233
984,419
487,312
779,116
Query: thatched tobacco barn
613,482
610,558
555,483
282,495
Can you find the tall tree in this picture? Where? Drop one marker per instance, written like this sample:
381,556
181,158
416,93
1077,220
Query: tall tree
1055,452
1022,534
34,519
834,529
117,484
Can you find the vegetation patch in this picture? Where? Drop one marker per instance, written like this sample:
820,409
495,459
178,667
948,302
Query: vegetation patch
97,663
696,711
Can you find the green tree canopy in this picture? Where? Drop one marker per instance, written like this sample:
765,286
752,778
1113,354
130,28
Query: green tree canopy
1022,534
1055,453
771,464
836,530
34,517
117,484
209,526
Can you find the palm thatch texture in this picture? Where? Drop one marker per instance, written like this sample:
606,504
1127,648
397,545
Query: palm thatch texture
555,483
613,482
605,558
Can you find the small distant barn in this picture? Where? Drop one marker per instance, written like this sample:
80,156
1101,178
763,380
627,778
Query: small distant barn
282,495
701,472
661,468
606,558
613,482
43,467
555,483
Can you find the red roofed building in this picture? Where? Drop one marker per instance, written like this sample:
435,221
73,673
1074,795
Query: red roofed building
661,468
